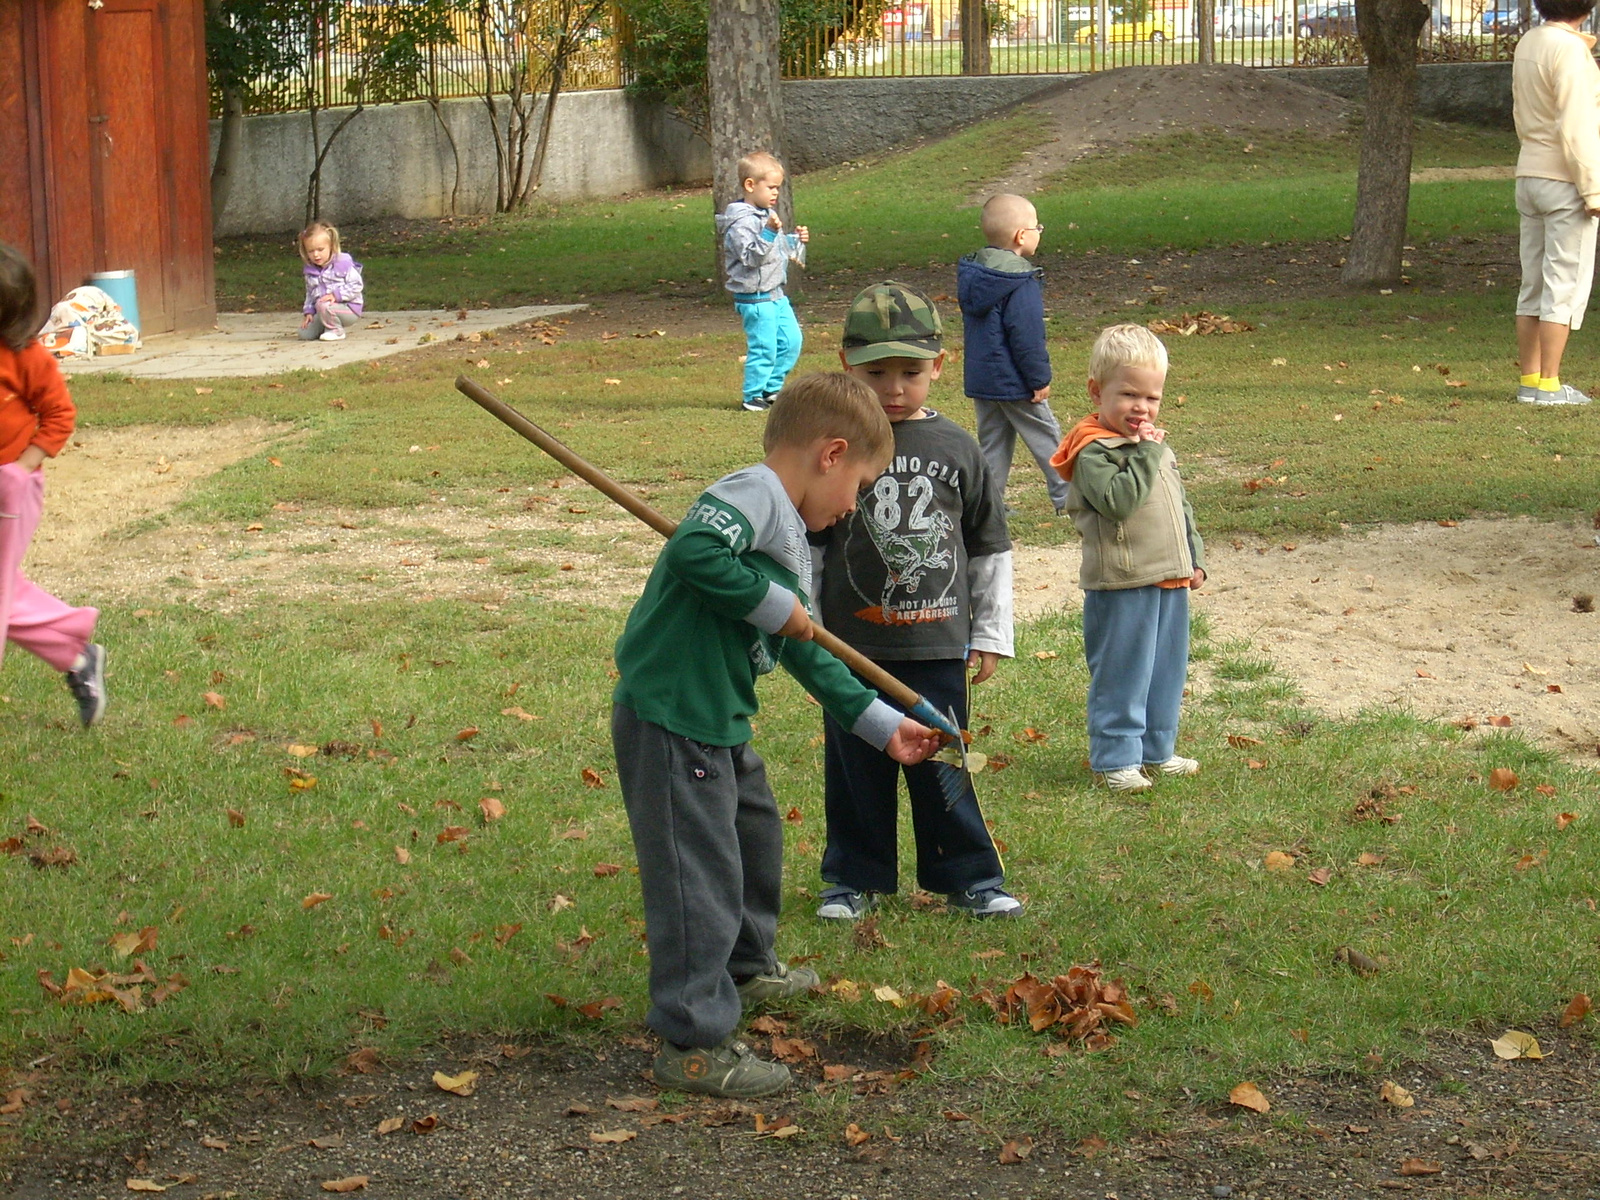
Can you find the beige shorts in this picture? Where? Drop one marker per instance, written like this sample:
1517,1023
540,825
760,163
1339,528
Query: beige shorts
1558,236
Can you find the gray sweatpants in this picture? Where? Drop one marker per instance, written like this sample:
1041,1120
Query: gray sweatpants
999,423
709,841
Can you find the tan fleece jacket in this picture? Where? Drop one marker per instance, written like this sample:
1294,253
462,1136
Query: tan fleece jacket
1555,92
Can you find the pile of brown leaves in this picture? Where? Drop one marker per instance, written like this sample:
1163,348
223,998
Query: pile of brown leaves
1202,322
41,856
1080,1005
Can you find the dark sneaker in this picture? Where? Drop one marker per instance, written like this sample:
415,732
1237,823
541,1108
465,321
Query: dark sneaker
780,983
986,902
729,1070
845,904
756,403
88,686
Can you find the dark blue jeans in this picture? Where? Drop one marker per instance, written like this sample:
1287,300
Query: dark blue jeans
954,849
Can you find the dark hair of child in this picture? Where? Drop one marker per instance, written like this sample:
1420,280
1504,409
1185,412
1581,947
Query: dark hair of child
19,300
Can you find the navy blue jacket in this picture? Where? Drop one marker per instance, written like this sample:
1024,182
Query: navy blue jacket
1002,313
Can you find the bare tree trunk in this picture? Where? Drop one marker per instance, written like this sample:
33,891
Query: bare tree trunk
1388,30
1205,15
222,171
974,37
314,185
455,151
746,105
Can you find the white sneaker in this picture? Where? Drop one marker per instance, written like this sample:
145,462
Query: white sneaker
333,333
1177,765
1127,779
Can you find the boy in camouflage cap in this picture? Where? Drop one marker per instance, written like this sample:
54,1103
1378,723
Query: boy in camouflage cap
919,580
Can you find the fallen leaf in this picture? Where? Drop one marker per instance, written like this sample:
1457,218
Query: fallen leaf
402,855
593,778
1514,1043
331,1142
1419,1166
425,1125
838,1072
235,817
1500,722
505,933
491,808
1248,1095
213,1143
1321,876
1565,819
148,1185
213,700
363,1061
1240,742
389,1125
633,1103
1502,779
612,1137
350,1183
1277,860
300,751
1016,1150
846,989
314,899
854,1135
889,996
792,1050
1392,1093
463,1084
1368,859
467,734
1577,1009
605,870
1356,961
451,833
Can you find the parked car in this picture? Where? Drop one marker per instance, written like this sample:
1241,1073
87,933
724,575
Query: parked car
1328,20
1149,29
1247,21
1501,22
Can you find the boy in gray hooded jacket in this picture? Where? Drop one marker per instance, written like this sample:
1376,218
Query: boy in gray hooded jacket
756,261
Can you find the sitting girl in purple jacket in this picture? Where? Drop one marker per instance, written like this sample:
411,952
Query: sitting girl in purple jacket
333,285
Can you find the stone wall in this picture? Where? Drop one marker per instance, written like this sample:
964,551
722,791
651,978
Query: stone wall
394,160
1470,93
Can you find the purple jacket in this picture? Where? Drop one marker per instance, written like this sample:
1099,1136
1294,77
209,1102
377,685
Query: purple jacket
341,279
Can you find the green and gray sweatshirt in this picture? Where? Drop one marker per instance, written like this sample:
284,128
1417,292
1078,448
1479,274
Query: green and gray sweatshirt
706,625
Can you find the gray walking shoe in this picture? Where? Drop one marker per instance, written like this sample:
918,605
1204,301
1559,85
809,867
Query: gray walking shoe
729,1070
985,902
1527,393
780,983
1565,394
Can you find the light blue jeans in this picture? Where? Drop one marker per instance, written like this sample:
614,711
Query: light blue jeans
1137,644
772,340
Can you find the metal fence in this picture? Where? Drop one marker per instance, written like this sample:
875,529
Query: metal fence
1038,37
341,52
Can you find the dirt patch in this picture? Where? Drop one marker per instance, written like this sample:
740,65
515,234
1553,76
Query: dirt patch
1115,108
1473,620
107,479
1482,1127
1454,174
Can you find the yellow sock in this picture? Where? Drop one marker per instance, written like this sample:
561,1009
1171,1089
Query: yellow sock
1530,380
1549,383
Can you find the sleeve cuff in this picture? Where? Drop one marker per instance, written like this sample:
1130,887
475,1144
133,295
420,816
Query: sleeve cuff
768,234
878,724
989,582
773,613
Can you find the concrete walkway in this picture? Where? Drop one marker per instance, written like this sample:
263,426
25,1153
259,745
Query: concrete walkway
268,343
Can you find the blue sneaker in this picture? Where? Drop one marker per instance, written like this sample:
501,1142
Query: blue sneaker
986,902
845,904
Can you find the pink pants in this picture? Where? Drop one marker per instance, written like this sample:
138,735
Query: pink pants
30,616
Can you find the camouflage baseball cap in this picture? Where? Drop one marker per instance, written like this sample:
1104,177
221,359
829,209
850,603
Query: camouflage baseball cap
891,320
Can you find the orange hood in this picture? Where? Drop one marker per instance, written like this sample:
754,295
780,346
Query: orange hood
1080,435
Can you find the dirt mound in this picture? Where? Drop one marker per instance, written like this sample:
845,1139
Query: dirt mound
1117,107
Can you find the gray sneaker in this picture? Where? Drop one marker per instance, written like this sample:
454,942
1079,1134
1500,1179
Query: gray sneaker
1527,393
88,686
729,1070
845,904
1565,394
780,983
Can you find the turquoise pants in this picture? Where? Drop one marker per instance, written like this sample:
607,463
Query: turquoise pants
772,341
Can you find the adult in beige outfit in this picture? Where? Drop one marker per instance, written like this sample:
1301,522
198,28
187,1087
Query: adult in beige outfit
1555,88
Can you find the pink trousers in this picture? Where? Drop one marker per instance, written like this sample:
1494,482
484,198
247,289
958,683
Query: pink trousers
30,616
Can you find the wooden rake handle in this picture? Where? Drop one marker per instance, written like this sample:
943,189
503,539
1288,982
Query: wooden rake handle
863,666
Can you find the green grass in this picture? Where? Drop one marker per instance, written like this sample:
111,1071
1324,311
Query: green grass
909,209
1170,893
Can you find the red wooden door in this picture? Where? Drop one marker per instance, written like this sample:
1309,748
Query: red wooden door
128,154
